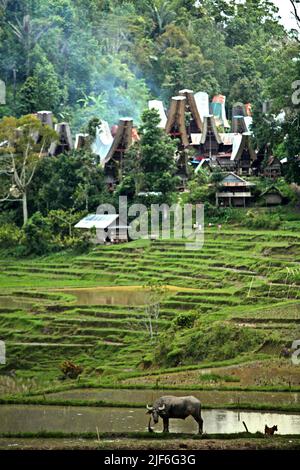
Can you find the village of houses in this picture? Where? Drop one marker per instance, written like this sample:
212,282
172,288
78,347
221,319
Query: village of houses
205,139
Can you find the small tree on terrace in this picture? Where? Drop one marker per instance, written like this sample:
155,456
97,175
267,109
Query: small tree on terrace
155,294
23,143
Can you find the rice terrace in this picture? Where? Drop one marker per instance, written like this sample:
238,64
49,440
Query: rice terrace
223,324
149,225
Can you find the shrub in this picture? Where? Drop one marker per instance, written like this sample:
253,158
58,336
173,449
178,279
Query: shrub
10,236
43,235
147,361
217,342
262,221
185,320
70,370
38,235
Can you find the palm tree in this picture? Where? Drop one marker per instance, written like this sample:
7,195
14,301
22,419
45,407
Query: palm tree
162,14
28,35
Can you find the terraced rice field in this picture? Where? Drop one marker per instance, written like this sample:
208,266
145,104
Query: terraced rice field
246,278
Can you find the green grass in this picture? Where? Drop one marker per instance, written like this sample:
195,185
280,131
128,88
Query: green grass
134,435
44,401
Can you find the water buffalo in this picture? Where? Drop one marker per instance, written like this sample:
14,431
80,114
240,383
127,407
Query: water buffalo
175,407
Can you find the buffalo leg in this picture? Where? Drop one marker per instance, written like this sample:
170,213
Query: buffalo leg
200,423
166,424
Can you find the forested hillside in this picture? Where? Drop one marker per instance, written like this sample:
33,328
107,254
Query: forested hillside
108,58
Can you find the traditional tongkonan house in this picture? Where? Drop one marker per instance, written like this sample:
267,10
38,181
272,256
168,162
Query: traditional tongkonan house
46,117
114,160
243,154
82,141
210,139
234,191
218,110
213,146
183,169
224,159
65,142
159,107
273,168
176,127
239,125
176,122
195,125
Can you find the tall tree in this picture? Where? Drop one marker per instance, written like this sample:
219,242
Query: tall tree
26,140
150,163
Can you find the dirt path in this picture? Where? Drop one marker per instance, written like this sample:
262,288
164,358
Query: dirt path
146,444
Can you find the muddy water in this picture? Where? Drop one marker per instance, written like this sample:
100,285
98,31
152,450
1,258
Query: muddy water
15,302
30,418
208,397
106,296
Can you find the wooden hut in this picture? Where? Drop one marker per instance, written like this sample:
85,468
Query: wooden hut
233,191
272,197
273,168
108,228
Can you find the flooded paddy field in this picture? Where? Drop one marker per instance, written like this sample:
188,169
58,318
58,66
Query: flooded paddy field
130,295
12,302
34,419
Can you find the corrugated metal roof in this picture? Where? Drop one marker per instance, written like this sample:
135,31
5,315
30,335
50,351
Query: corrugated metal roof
97,220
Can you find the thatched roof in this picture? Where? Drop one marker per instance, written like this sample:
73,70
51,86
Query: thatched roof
209,122
191,106
46,117
240,143
272,190
122,140
65,142
176,120
159,106
273,161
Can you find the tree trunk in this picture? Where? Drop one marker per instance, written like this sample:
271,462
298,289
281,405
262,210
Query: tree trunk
25,209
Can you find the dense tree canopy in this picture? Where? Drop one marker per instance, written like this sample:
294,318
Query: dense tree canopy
104,59
110,56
